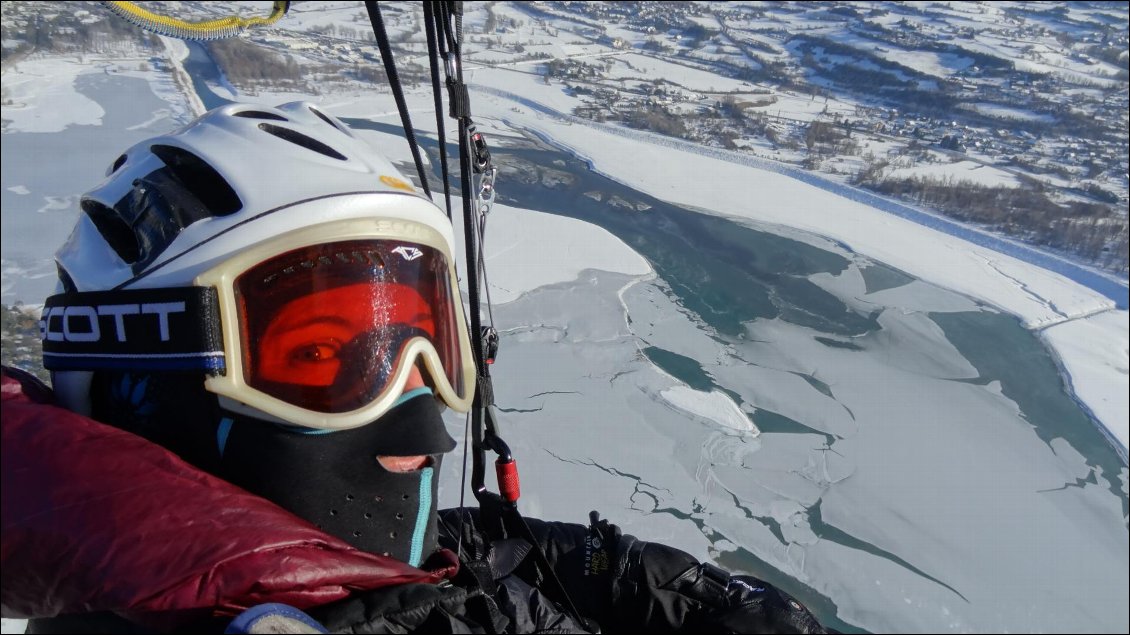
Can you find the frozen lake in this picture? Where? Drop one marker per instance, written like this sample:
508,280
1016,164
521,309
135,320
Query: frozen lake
920,464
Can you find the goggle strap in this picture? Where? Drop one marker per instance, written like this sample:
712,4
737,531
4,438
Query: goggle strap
166,329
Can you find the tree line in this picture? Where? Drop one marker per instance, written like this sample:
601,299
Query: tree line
244,62
1092,230
66,33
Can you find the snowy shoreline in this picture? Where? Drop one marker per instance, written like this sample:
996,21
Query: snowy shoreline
1118,443
1103,282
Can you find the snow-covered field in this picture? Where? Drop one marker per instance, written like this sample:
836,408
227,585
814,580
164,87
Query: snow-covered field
967,171
599,426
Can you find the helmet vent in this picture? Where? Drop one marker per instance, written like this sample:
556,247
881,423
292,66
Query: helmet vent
300,139
259,114
321,115
65,279
201,179
114,229
119,162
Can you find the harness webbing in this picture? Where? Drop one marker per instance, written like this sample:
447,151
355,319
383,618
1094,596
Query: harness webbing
443,22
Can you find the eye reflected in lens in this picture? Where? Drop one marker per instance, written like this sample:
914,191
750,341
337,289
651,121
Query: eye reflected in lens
324,327
314,338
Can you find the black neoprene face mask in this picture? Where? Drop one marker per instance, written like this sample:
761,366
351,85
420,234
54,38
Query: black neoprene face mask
330,479
333,479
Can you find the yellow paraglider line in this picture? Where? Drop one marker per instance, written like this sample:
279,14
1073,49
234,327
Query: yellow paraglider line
207,30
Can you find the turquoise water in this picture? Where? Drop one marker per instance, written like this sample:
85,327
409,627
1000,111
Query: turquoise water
1001,349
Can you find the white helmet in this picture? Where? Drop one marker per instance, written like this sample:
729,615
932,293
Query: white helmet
242,190
237,175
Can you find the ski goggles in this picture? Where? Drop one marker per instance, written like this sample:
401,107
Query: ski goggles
322,326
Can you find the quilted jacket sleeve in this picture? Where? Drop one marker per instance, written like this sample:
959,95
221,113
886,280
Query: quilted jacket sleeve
98,519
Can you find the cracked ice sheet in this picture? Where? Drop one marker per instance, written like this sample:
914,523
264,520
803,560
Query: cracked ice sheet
779,483
949,479
1094,350
586,415
982,500
580,403
530,264
915,295
594,436
659,321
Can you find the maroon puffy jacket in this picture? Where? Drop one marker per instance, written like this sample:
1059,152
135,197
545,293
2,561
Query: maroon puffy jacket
98,519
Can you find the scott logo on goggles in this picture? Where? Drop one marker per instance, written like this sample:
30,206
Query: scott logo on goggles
83,323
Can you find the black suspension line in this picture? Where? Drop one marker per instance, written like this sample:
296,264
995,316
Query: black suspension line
444,25
437,97
378,24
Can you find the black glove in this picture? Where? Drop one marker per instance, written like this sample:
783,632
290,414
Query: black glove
628,585
662,589
752,606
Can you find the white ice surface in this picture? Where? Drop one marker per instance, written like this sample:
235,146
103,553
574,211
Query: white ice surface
713,406
44,98
967,171
524,264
